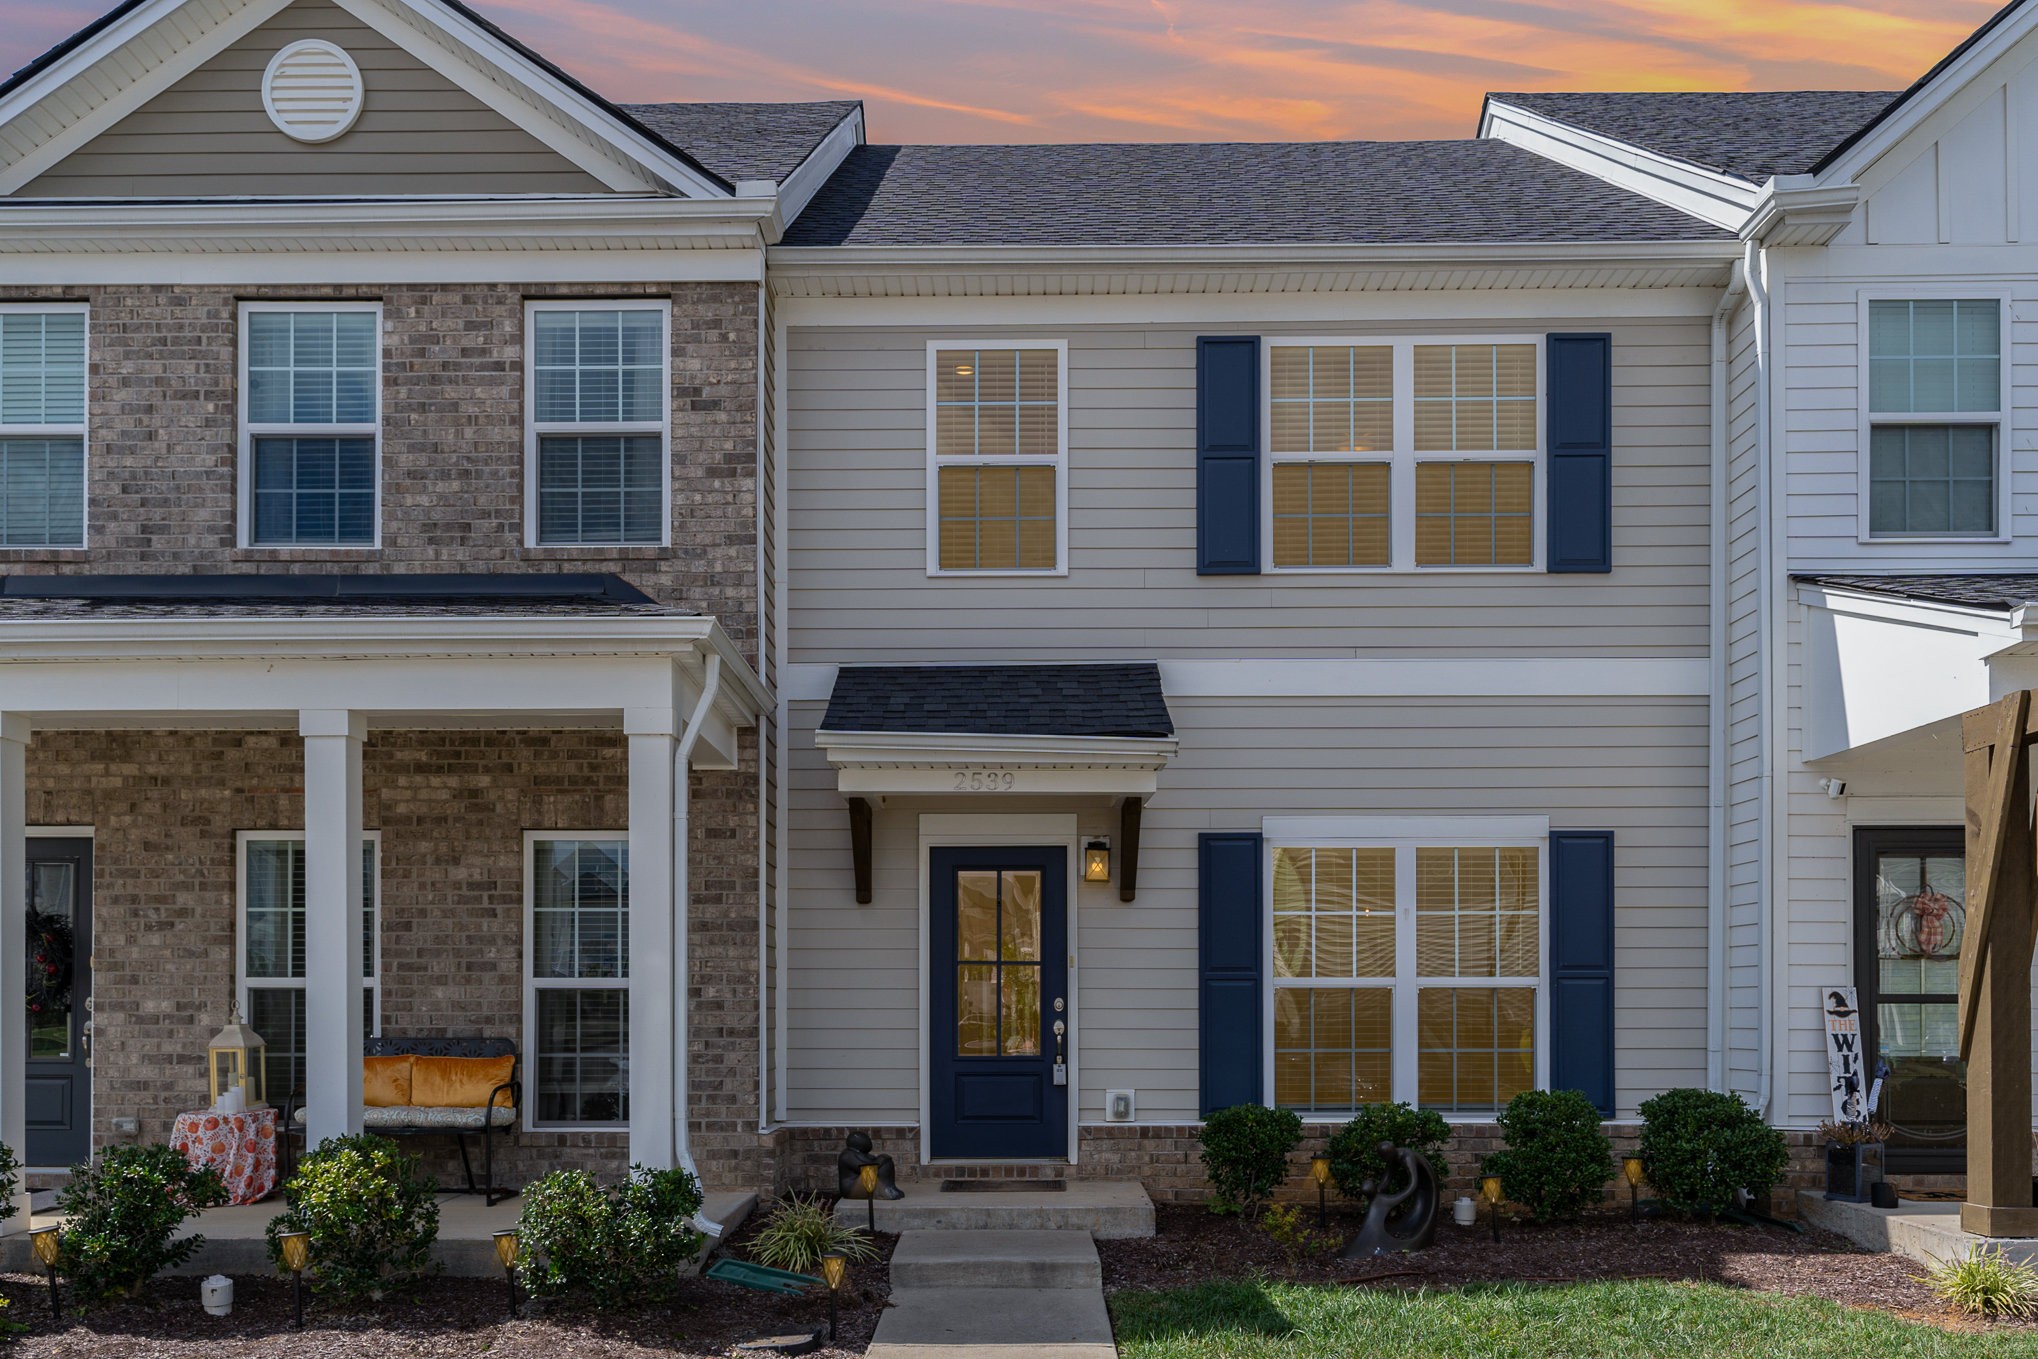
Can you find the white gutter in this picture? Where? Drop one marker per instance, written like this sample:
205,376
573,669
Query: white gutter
682,756
765,732
1716,717
1755,265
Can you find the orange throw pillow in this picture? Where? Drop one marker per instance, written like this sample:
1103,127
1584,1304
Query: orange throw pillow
459,1082
385,1082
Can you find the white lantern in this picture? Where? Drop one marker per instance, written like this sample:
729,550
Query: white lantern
238,1059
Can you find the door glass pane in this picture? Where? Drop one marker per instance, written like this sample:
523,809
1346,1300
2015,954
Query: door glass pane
1920,924
1019,930
52,922
976,1010
976,915
1019,1009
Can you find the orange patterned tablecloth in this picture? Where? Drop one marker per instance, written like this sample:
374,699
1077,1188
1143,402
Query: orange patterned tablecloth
241,1147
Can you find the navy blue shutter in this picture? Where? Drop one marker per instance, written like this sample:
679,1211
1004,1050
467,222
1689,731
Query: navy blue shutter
1228,455
1229,938
1581,964
1579,415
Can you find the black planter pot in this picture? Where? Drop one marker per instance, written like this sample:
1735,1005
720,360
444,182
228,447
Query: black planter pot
1851,1171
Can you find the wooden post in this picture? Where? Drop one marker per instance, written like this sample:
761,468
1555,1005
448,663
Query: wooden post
859,847
1995,966
1128,848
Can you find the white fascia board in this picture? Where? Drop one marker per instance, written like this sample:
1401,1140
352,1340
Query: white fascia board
809,175
676,263
1721,199
929,763
1799,210
1918,613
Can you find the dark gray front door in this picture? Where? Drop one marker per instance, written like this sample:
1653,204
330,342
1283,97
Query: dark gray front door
58,1101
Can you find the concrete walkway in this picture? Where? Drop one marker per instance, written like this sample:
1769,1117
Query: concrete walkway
995,1293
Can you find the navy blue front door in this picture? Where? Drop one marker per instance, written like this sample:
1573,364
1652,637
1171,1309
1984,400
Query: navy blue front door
999,987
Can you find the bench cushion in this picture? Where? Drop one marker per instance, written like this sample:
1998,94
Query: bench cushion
459,1082
413,1118
385,1081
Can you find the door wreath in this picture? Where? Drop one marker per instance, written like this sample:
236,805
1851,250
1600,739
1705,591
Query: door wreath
50,953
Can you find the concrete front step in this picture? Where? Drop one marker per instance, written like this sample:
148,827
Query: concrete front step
996,1259
994,1323
1106,1209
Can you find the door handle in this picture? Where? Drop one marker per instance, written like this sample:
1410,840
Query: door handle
85,1040
1061,1061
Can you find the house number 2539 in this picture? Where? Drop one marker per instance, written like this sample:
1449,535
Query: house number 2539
984,780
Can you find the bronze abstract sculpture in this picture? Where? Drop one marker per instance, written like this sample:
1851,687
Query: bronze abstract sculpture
1405,1220
849,1170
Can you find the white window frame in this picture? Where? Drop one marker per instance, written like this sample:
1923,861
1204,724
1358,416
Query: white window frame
80,431
1999,419
251,431
534,984
534,428
1404,835
1060,461
244,984
1403,458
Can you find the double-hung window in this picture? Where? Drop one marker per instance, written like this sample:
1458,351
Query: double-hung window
1406,966
311,400
1403,454
42,426
577,979
598,379
1935,418
272,960
997,467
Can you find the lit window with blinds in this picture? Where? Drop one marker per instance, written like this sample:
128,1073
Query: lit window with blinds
1471,399
1405,970
998,462
1332,441
42,426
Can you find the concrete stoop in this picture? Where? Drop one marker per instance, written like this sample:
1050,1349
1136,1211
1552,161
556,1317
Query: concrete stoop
995,1293
996,1259
1927,1232
1107,1210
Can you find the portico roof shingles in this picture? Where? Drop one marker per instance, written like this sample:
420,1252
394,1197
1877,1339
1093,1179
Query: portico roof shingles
1106,699
2002,591
329,595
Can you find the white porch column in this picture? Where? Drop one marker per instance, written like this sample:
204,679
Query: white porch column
14,945
332,922
656,994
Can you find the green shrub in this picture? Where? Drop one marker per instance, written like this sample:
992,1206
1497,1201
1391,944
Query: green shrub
1355,1148
608,1247
1986,1284
1699,1146
371,1213
1245,1152
1293,1228
800,1231
123,1211
10,1182
1557,1160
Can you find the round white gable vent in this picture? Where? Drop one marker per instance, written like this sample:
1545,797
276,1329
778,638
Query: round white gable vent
312,90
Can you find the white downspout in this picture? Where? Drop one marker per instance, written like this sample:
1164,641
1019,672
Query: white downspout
1716,717
1755,263
682,759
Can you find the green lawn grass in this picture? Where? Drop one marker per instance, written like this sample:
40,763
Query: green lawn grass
1245,1319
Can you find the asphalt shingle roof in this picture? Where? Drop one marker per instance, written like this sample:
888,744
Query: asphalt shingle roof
1001,700
1751,135
295,595
745,141
2002,592
1251,193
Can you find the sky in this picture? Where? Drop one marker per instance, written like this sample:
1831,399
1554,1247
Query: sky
1185,70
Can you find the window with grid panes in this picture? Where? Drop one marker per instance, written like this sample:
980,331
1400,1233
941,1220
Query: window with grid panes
1475,398
272,951
313,420
598,421
1935,402
1328,405
42,427
1478,958
997,459
577,1002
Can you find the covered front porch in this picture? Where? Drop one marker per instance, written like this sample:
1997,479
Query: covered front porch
454,730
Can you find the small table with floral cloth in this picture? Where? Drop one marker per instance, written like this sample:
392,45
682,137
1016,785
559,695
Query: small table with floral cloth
241,1147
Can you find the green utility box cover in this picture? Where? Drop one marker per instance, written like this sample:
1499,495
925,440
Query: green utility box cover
763,1278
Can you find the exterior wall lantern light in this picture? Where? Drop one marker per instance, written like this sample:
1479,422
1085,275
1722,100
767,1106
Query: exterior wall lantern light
1631,1167
834,1271
866,1180
296,1251
45,1240
1097,861
1489,1189
506,1253
1319,1171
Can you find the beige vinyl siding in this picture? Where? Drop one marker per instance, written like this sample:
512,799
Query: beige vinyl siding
857,557
208,135
1636,767
1745,525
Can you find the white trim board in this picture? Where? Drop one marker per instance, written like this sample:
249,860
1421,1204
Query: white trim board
1722,199
1505,677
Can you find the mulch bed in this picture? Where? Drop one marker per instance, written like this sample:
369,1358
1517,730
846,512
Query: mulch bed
1196,1246
441,1317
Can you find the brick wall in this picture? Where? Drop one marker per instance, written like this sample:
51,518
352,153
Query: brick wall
452,808
163,450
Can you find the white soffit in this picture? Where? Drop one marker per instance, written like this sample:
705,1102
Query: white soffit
907,764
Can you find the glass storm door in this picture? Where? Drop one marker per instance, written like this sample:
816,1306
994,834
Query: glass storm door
57,1098
1911,919
997,1022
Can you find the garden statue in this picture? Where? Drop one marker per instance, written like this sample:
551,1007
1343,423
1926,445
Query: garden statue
849,1170
1401,1221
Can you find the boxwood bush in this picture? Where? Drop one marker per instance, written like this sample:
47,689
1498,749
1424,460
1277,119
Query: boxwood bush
123,1210
1699,1146
1245,1152
371,1213
1355,1148
1557,1160
608,1247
